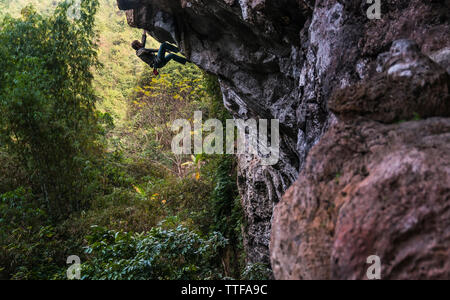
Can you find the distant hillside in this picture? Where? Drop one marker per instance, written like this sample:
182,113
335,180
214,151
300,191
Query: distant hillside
121,67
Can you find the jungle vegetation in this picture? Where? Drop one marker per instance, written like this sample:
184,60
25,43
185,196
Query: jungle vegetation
86,167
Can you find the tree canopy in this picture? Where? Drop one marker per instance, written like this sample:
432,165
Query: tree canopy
47,101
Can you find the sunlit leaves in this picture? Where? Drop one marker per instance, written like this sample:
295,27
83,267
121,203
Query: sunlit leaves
47,101
122,255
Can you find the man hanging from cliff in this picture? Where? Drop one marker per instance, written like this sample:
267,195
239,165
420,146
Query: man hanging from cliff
156,61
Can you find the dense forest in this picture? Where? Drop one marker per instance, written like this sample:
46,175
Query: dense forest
86,166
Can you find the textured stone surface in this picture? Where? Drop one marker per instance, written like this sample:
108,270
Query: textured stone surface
283,59
411,86
374,186
369,189
442,57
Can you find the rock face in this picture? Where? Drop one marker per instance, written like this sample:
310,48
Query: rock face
283,59
369,189
374,185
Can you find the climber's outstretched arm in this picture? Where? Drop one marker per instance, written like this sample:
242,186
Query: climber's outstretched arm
144,39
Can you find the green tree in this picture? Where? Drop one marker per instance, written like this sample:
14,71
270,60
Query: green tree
47,102
166,252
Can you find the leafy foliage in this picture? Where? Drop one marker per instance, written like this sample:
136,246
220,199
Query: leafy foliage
157,102
47,102
27,244
227,214
66,166
257,271
161,254
115,81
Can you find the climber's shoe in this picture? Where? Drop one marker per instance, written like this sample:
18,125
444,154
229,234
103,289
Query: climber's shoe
155,71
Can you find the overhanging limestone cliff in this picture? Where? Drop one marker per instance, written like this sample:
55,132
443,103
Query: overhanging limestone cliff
283,59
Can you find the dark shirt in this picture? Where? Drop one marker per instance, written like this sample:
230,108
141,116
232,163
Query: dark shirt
148,56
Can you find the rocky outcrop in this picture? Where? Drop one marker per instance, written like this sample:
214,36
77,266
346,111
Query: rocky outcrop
283,59
375,185
369,189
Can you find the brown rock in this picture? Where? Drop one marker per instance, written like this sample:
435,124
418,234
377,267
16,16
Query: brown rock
442,57
369,189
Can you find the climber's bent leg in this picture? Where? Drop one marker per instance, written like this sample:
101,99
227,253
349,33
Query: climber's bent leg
164,48
162,52
178,59
169,47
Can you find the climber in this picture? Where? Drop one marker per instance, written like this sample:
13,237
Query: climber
156,61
